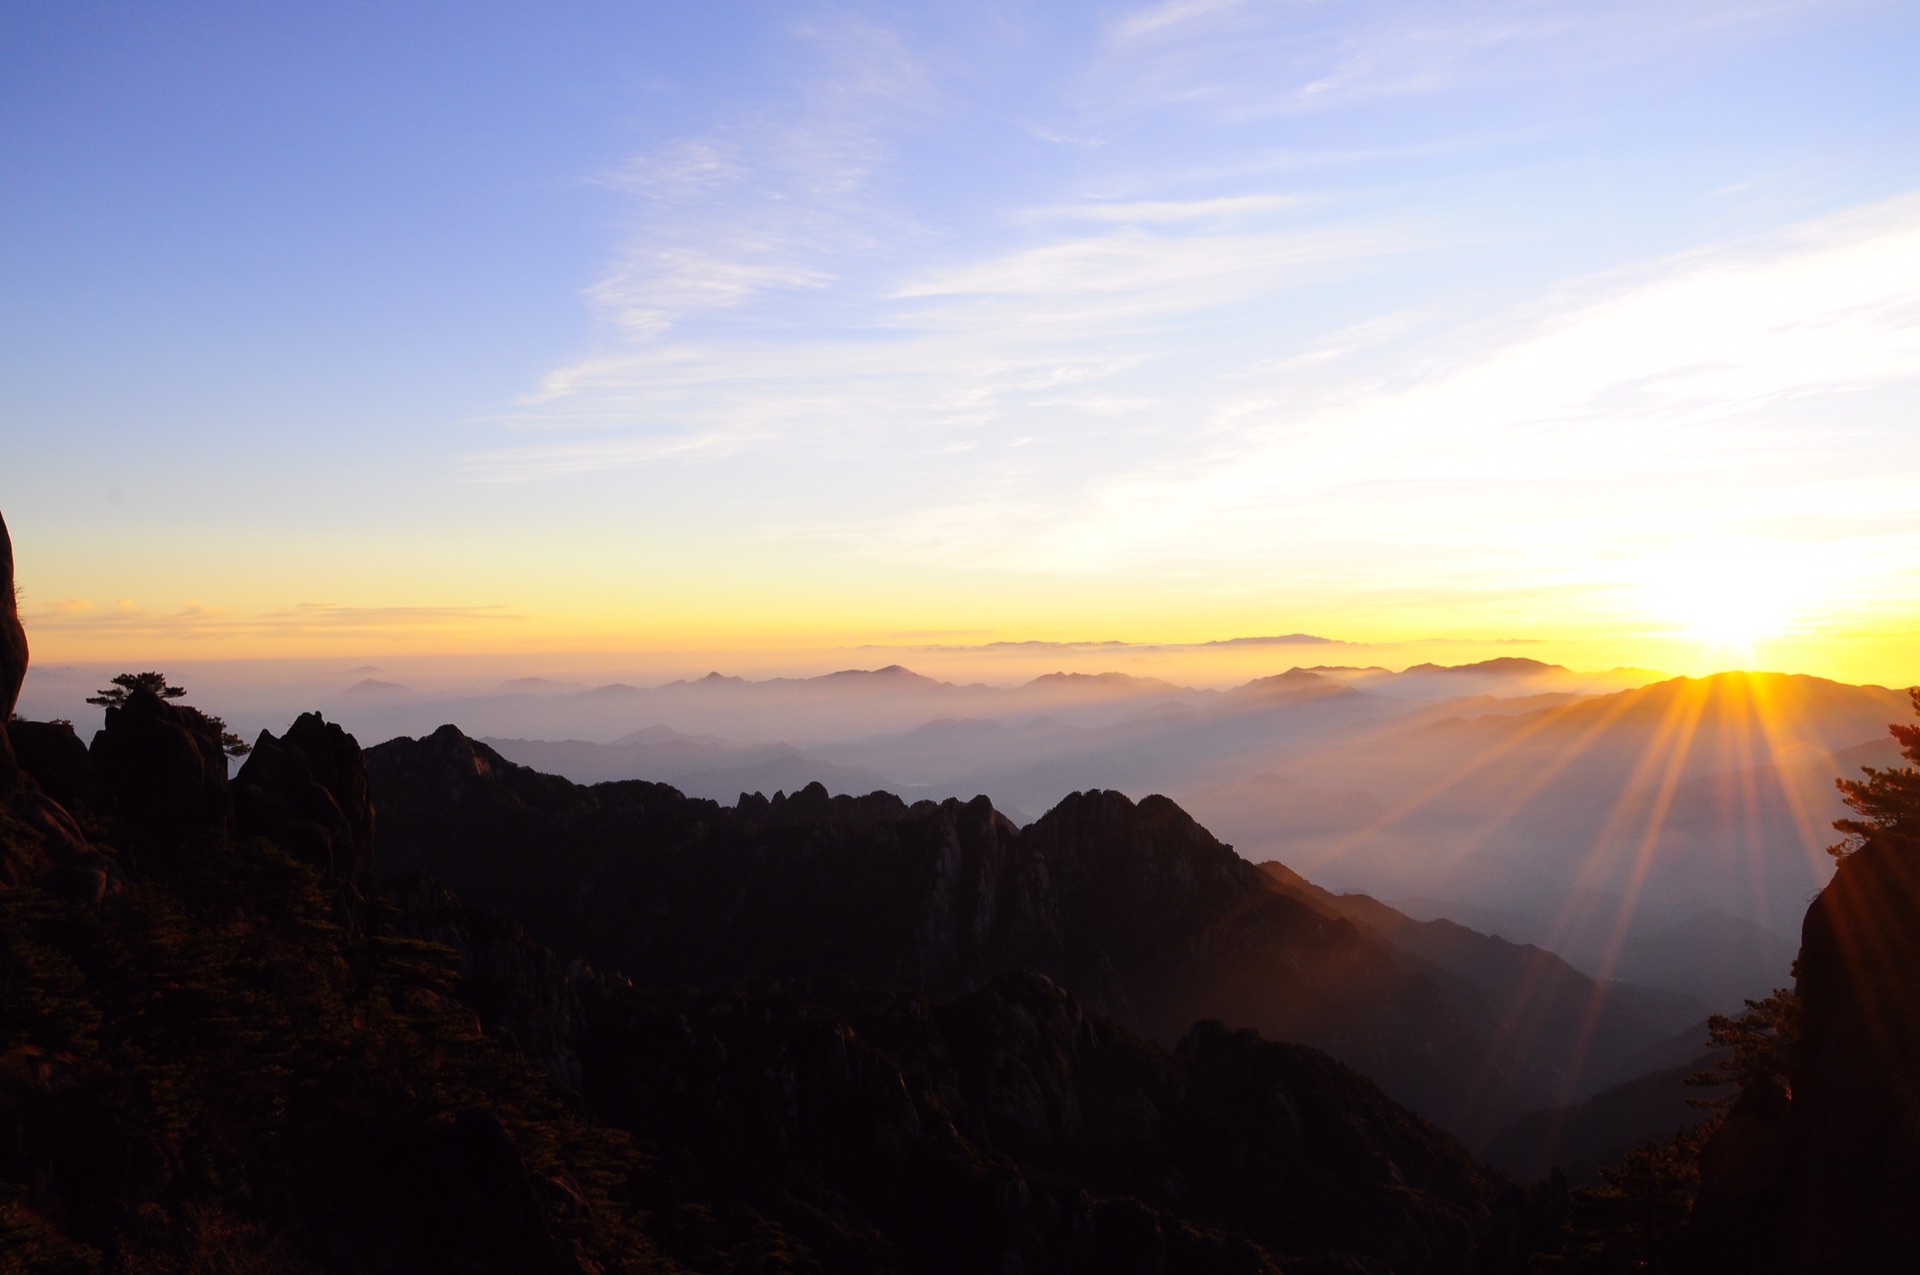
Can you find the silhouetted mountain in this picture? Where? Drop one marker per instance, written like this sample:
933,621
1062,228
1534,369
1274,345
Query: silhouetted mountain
1055,688
1579,1138
1505,666
1748,960
538,686
701,767
1134,907
1819,1169
1284,639
368,686
892,1130
1294,684
307,792
13,658
1707,959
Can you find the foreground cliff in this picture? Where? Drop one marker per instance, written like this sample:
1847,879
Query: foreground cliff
1854,1170
1819,1170
13,659
1004,1128
221,1062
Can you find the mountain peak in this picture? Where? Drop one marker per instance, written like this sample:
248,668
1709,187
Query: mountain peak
1098,681
371,686
1283,639
1504,665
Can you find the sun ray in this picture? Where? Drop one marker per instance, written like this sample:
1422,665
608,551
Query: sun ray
1679,727
1523,1025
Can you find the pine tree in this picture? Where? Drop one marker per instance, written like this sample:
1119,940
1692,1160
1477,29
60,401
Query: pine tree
1887,801
124,685
1759,1045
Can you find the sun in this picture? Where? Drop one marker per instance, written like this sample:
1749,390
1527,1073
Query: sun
1724,595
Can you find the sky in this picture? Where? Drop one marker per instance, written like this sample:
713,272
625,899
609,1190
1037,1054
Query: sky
763,336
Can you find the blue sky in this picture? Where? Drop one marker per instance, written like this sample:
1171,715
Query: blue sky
642,324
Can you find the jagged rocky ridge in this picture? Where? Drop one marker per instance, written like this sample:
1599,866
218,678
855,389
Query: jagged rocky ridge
1133,906
1004,1128
827,1126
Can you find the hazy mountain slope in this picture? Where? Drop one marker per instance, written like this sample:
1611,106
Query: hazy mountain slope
1711,958
847,705
1708,792
1580,1137
1540,1011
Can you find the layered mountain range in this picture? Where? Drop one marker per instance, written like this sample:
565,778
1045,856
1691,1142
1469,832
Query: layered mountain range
418,1007
1608,818
240,1032
1612,820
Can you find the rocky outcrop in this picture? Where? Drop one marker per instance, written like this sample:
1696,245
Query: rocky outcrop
1822,1175
1856,1081
307,791
57,759
168,773
1005,1128
52,848
13,659
523,995
1008,1129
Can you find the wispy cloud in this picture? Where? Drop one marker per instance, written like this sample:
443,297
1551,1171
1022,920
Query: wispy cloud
1245,59
1156,212
128,618
968,346
1168,274
1170,14
770,198
1728,388
1202,364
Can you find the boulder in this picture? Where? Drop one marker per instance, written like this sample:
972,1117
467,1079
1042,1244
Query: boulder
59,763
168,773
13,659
1856,1080
307,791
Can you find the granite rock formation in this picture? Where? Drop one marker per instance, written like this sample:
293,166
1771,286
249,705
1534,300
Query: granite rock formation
1002,1128
1821,1174
307,791
1133,906
13,659
168,773
1855,1122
